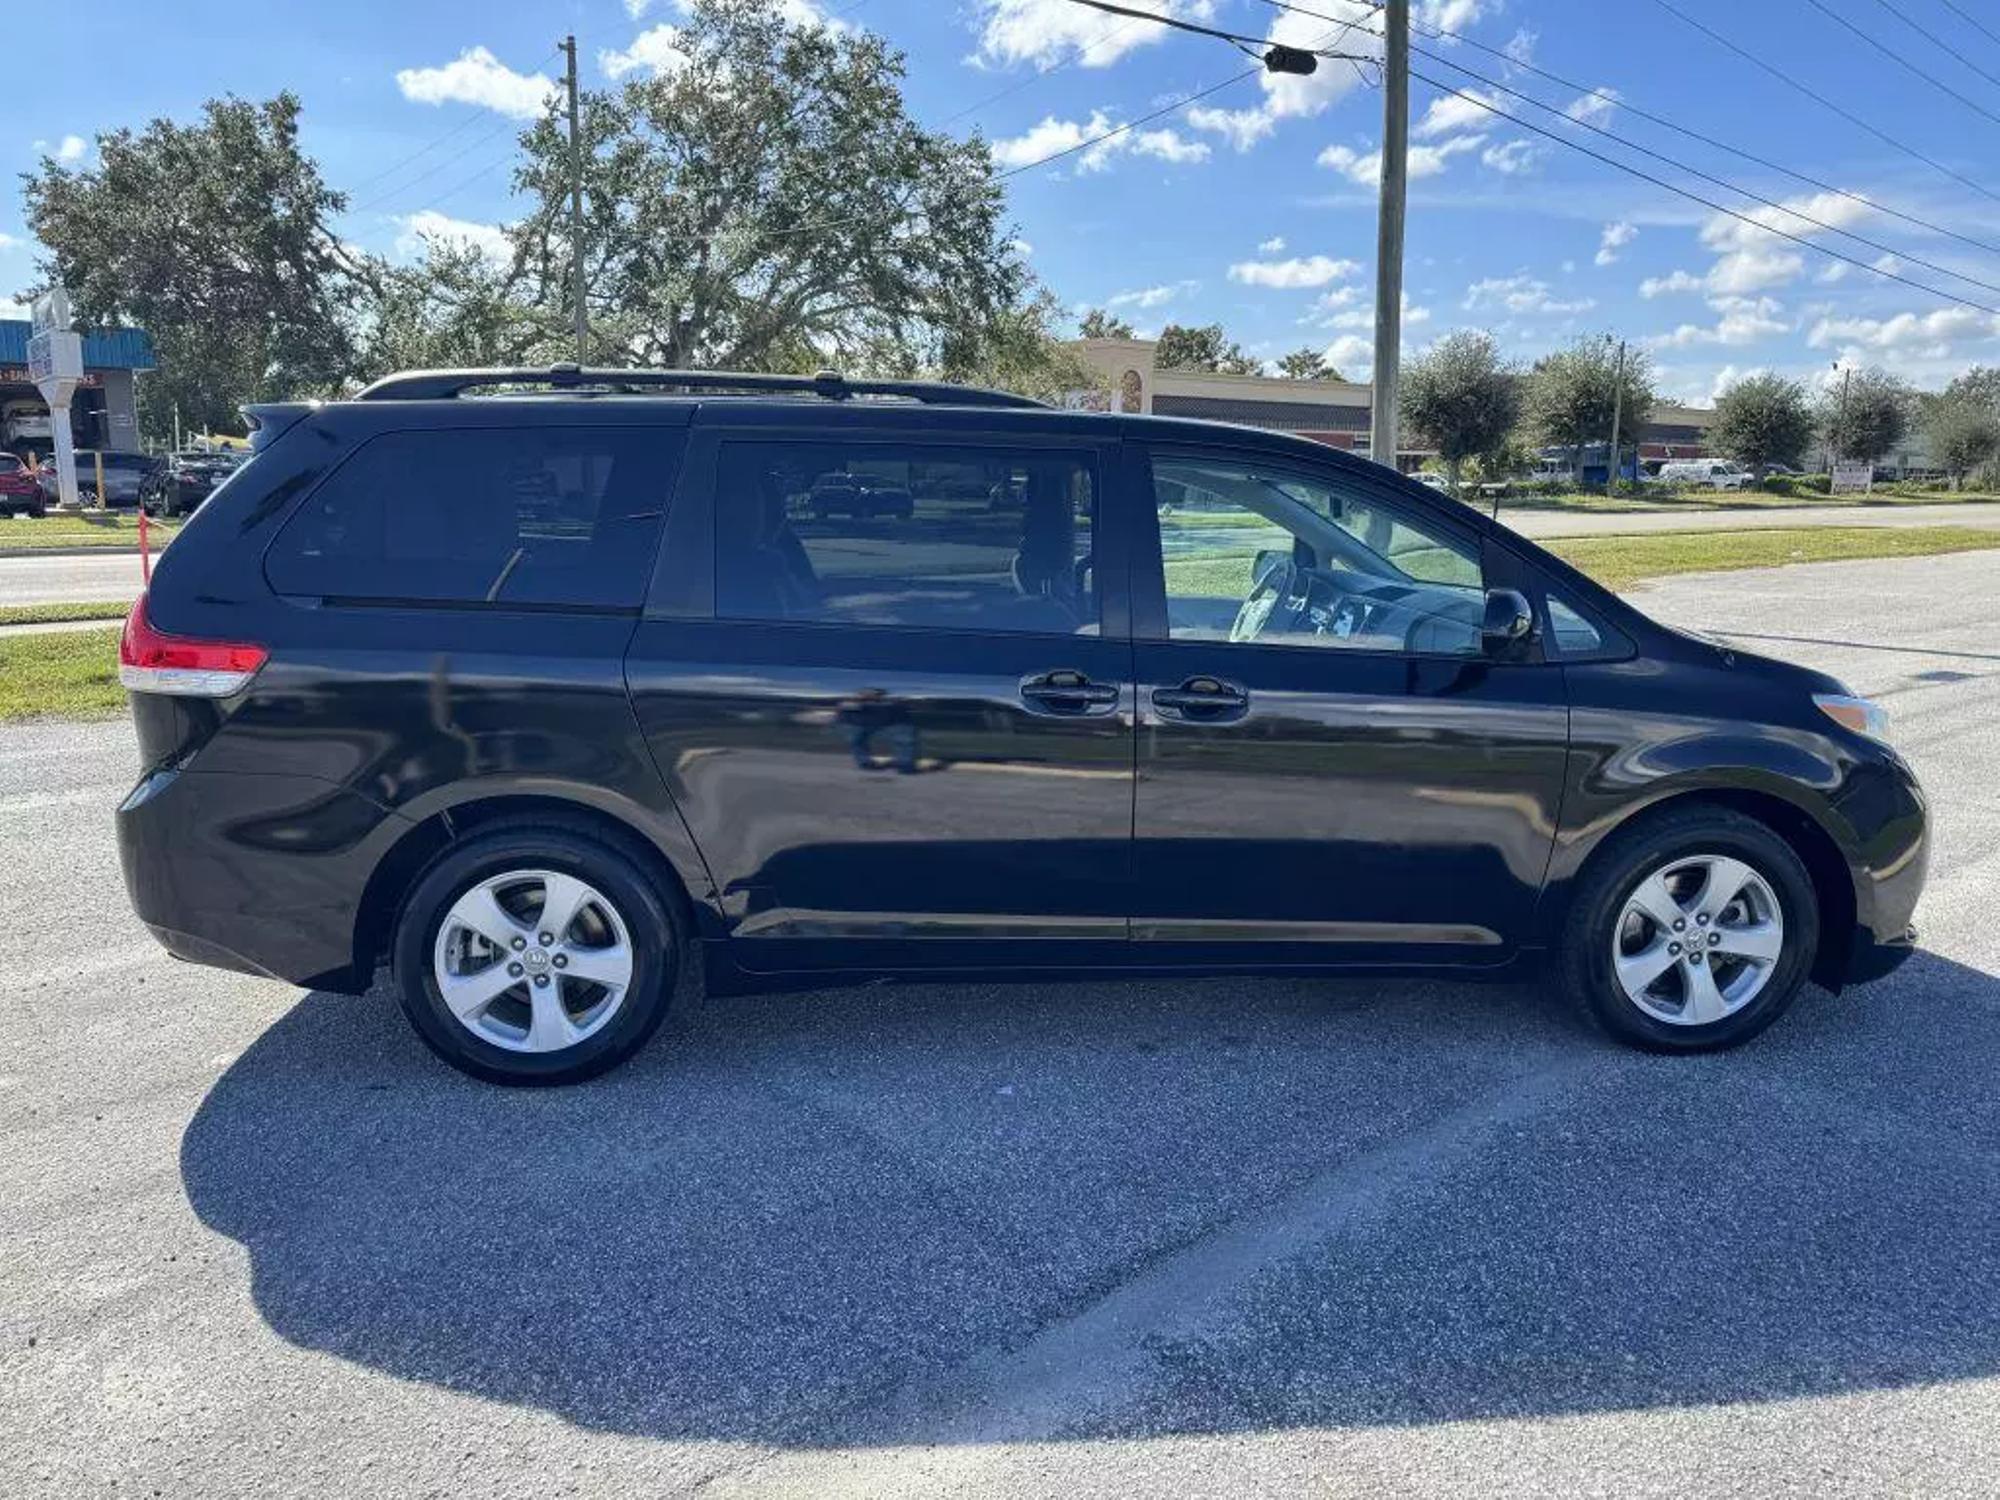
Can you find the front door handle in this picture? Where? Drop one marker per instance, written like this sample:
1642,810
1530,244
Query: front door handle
1203,700
1068,692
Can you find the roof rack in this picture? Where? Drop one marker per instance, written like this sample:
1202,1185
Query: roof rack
437,385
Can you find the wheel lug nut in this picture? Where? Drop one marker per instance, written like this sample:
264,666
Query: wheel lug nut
1680,924
1714,938
1693,958
546,939
1702,919
561,961
1673,947
519,944
541,981
515,970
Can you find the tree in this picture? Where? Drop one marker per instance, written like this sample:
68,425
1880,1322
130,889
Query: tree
768,203
1204,348
1018,351
1463,397
1099,324
214,238
1962,424
1763,420
452,307
1571,394
1307,363
1864,415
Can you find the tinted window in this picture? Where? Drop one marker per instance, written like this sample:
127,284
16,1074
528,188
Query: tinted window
1269,556
885,534
1575,636
530,516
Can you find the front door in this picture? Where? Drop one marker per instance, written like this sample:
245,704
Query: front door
1329,766
899,725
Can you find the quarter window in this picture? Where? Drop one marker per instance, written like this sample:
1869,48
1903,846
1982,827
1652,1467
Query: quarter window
954,538
1255,555
531,515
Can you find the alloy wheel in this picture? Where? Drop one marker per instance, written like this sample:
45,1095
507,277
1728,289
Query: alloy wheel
1698,939
533,960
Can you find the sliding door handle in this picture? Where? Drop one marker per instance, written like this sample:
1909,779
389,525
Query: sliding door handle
1068,692
1204,700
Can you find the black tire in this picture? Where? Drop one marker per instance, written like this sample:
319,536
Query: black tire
1615,872
651,918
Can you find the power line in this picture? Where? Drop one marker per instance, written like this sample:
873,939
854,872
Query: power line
1821,99
1034,78
1709,203
1723,183
1707,140
1163,19
1978,26
1939,42
472,117
1165,109
425,176
1903,62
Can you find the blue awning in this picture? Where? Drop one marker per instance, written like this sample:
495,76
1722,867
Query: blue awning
114,349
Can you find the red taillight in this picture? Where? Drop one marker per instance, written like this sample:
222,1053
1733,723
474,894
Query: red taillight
151,661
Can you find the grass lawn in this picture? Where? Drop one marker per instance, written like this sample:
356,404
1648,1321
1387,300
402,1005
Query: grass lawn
1617,561
120,529
71,674
49,614
1698,500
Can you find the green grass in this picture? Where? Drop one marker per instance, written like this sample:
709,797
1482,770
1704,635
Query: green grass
1618,561
50,614
71,674
88,530
1700,500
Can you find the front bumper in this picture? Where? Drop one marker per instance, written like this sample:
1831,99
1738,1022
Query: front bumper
1872,958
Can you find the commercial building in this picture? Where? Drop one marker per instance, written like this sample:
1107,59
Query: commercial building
1335,412
104,413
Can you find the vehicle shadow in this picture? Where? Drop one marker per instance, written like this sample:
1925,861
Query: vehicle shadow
792,1211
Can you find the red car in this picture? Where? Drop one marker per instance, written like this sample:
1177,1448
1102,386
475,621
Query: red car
18,489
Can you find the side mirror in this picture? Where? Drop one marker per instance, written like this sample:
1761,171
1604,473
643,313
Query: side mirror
1509,620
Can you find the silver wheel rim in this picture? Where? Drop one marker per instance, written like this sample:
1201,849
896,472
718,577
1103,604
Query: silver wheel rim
1698,940
533,960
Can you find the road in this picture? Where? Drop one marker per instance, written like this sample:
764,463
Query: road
78,578
1233,1237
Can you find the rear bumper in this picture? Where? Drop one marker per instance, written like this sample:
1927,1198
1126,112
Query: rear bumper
260,874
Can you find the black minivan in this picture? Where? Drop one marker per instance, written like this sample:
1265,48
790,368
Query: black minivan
543,685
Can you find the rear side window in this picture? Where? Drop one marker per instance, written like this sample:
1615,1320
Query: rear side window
958,538
535,515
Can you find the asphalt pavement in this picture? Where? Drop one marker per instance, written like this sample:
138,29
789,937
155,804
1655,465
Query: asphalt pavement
1219,1237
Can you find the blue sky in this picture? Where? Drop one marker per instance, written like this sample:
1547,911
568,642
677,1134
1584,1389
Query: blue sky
1255,208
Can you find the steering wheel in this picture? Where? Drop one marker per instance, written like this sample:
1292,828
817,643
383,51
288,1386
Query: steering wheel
1270,595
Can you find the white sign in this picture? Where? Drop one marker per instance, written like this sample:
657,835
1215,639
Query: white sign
50,310
1852,476
53,356
55,364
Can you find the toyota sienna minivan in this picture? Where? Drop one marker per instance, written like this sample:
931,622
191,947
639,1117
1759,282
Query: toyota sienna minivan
539,687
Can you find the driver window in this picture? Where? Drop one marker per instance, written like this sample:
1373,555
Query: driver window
1269,556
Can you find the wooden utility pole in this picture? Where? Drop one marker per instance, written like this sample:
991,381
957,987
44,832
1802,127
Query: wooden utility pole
1389,230
1617,415
576,207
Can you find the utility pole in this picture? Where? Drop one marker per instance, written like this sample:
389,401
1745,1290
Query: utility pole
576,206
1834,454
1389,230
1617,415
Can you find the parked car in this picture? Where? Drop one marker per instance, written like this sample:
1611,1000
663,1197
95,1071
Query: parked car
26,423
179,484
19,493
1704,474
387,713
862,495
124,473
1431,479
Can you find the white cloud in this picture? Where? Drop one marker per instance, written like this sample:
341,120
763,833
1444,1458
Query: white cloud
1454,112
1152,296
1520,294
1616,237
1288,96
656,50
1424,161
1886,263
490,240
71,148
1242,128
1594,108
1048,32
1021,247
13,312
1290,275
1932,334
476,76
1364,317
1352,354
1512,158
1520,48
1749,259
1275,245
8,241
1675,281
1053,135
1454,15
1743,320
1834,270
1727,376
1326,306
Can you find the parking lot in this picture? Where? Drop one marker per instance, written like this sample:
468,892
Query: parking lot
1219,1236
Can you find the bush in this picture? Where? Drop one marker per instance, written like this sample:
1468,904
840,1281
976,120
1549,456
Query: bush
1798,484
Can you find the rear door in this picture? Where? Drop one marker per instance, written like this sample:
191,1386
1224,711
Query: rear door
1330,768
898,734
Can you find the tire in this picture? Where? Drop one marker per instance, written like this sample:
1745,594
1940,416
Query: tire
599,1025
1609,931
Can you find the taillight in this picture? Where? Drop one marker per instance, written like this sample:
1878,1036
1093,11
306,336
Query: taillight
151,661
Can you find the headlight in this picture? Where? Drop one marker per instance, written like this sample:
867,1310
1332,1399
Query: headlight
1858,714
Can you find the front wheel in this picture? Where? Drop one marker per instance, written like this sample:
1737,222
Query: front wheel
1691,931
535,955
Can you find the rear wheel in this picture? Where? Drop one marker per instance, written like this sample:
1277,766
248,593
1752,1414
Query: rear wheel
1694,930
535,955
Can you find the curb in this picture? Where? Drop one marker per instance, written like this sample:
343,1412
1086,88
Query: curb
133,551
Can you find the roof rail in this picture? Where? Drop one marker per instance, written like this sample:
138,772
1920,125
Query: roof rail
436,385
